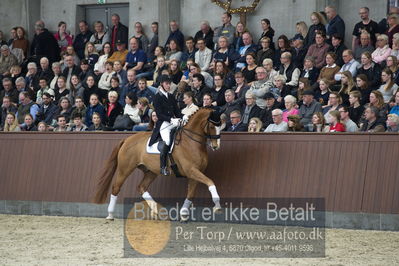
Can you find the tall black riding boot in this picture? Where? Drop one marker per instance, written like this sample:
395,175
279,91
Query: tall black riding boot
164,158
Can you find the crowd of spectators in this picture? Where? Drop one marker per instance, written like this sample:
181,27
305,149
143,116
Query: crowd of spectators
105,81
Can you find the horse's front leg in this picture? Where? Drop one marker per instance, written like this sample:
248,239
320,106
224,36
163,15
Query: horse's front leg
197,175
148,178
184,211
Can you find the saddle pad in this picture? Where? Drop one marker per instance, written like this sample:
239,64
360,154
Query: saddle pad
153,149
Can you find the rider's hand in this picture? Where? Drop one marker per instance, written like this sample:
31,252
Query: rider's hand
185,119
175,122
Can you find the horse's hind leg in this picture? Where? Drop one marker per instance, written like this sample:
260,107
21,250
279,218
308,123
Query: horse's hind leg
123,171
148,178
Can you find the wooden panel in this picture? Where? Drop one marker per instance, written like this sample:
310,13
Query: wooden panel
353,172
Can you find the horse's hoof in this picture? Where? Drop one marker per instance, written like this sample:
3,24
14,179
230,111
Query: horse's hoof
217,209
110,217
184,218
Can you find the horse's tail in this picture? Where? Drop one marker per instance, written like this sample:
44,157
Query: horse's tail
105,178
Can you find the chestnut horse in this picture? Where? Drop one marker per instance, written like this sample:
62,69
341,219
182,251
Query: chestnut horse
189,153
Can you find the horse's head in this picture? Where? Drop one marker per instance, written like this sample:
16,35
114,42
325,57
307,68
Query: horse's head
207,123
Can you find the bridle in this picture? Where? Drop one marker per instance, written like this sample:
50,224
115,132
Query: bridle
193,135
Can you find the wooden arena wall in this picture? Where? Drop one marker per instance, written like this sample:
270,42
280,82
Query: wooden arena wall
353,172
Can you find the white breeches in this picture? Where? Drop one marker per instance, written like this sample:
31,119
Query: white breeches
165,129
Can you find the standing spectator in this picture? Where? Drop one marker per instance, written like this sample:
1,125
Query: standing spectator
364,46
141,37
393,22
335,24
205,33
9,90
236,124
365,25
278,124
383,24
7,60
267,31
13,36
319,50
238,42
203,56
383,51
373,123
226,29
136,58
338,47
44,44
175,34
63,38
308,108
94,107
318,25
119,32
350,126
21,42
47,109
82,38
100,37
388,87
11,123
350,64
154,40
302,31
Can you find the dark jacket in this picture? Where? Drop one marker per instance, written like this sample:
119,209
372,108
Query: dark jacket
45,45
4,112
253,48
101,127
94,109
166,109
338,52
80,42
89,91
377,126
255,112
13,94
199,94
313,75
178,37
122,33
240,127
47,114
75,71
208,38
262,55
110,120
299,56
373,75
265,115
310,37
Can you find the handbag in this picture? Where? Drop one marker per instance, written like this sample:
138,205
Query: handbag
123,122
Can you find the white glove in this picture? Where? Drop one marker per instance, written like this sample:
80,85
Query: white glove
185,119
175,122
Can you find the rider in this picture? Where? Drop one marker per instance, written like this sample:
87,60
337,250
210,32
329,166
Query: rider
169,117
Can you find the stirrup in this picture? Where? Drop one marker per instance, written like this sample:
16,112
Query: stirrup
165,171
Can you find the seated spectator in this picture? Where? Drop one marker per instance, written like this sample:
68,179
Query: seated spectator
120,53
371,70
70,69
45,70
76,88
388,87
131,86
85,71
338,47
70,51
392,64
115,86
94,107
135,58
42,127
356,109
105,53
255,125
207,101
64,108
373,123
47,110
56,68
189,52
283,45
303,85
26,106
280,90
294,123
393,123
3,41
28,124
61,89
382,50
318,25
62,36
15,73
159,68
347,85
377,100
350,126
224,71
362,85
77,125
199,88
224,53
9,90
144,91
244,50
290,105
265,52
100,37
323,94
393,23
105,81
203,56
32,77
395,45
290,71
330,70
190,108
365,46
249,70
178,94
309,70
230,105
299,52
240,89
131,108
319,50
335,124
195,69
334,103
395,107
96,123
7,60
236,125
350,64
318,123
145,113
11,123
250,109
266,114
79,107
6,107
309,107
278,124
270,72
112,109
227,30
218,91
62,125
174,71
261,86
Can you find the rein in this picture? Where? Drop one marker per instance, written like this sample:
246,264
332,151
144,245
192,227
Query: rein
189,133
